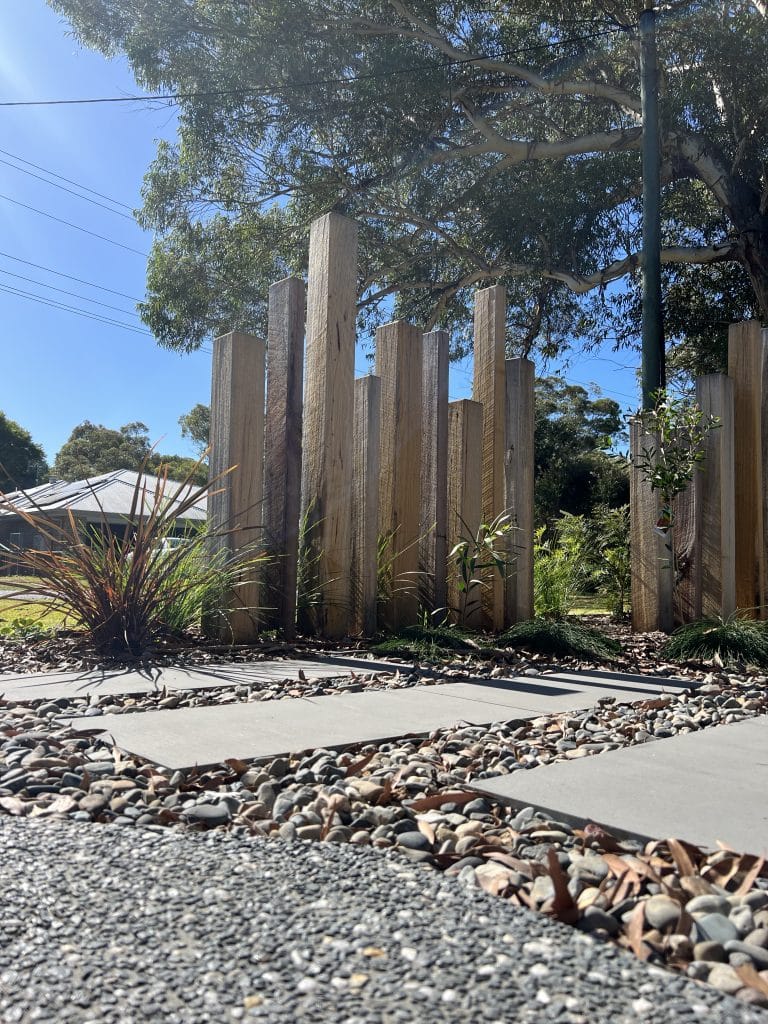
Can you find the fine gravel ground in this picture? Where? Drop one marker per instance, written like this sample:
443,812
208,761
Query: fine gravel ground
130,926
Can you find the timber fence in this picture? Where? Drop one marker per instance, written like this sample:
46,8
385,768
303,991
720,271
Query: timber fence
359,489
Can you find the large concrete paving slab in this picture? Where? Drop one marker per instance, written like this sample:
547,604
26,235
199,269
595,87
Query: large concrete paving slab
127,682
703,787
266,729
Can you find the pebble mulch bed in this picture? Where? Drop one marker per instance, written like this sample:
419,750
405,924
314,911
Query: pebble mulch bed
703,913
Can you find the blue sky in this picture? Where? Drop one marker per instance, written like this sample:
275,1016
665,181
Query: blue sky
58,367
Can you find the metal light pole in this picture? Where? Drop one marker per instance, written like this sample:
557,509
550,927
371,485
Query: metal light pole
653,357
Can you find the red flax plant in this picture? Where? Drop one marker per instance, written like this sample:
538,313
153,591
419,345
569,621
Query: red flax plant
129,593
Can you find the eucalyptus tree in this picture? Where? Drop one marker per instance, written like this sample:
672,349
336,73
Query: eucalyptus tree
476,141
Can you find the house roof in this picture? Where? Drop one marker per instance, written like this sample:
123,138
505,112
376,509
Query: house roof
110,494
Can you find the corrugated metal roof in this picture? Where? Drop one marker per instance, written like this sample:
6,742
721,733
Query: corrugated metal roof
110,494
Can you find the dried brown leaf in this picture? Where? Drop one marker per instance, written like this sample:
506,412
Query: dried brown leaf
428,803
238,766
750,977
681,855
751,876
635,932
426,829
563,907
357,766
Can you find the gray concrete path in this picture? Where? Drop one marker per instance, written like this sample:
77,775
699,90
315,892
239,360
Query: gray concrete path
127,682
704,787
266,729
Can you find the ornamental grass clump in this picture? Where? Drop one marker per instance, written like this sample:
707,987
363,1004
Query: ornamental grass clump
132,587
731,640
561,638
429,643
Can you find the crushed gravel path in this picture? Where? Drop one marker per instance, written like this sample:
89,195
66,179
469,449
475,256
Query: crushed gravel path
103,925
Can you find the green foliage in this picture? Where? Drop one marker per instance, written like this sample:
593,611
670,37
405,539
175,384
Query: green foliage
612,573
732,640
560,566
196,425
678,429
561,638
24,627
93,449
474,563
426,643
524,169
22,462
130,592
573,471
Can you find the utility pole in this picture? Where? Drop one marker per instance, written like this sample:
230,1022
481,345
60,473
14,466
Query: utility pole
653,354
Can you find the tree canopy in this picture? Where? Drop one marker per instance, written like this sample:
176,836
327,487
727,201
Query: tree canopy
22,462
196,425
573,470
475,141
93,449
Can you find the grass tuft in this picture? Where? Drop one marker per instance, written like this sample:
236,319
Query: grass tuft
733,639
561,638
425,643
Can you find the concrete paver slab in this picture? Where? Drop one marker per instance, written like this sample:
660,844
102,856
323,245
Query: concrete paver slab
701,787
54,685
266,729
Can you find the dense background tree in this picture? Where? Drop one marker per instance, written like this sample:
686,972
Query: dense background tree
196,425
574,471
93,449
22,462
475,141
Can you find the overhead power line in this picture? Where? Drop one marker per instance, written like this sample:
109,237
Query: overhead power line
43,300
69,181
262,91
71,191
69,277
77,227
74,295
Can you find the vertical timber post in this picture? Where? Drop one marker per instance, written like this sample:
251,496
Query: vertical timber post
365,503
235,511
282,447
328,409
747,367
714,481
519,466
465,474
433,545
489,389
399,365
651,575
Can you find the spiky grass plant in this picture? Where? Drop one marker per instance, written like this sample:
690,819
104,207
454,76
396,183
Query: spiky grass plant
561,638
732,639
425,642
129,590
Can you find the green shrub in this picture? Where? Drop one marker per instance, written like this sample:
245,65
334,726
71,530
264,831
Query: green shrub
733,639
560,637
612,573
560,566
130,592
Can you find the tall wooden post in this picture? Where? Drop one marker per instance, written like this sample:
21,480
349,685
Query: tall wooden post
235,511
328,410
714,482
465,473
748,367
365,504
433,545
399,365
651,550
282,447
489,389
519,466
